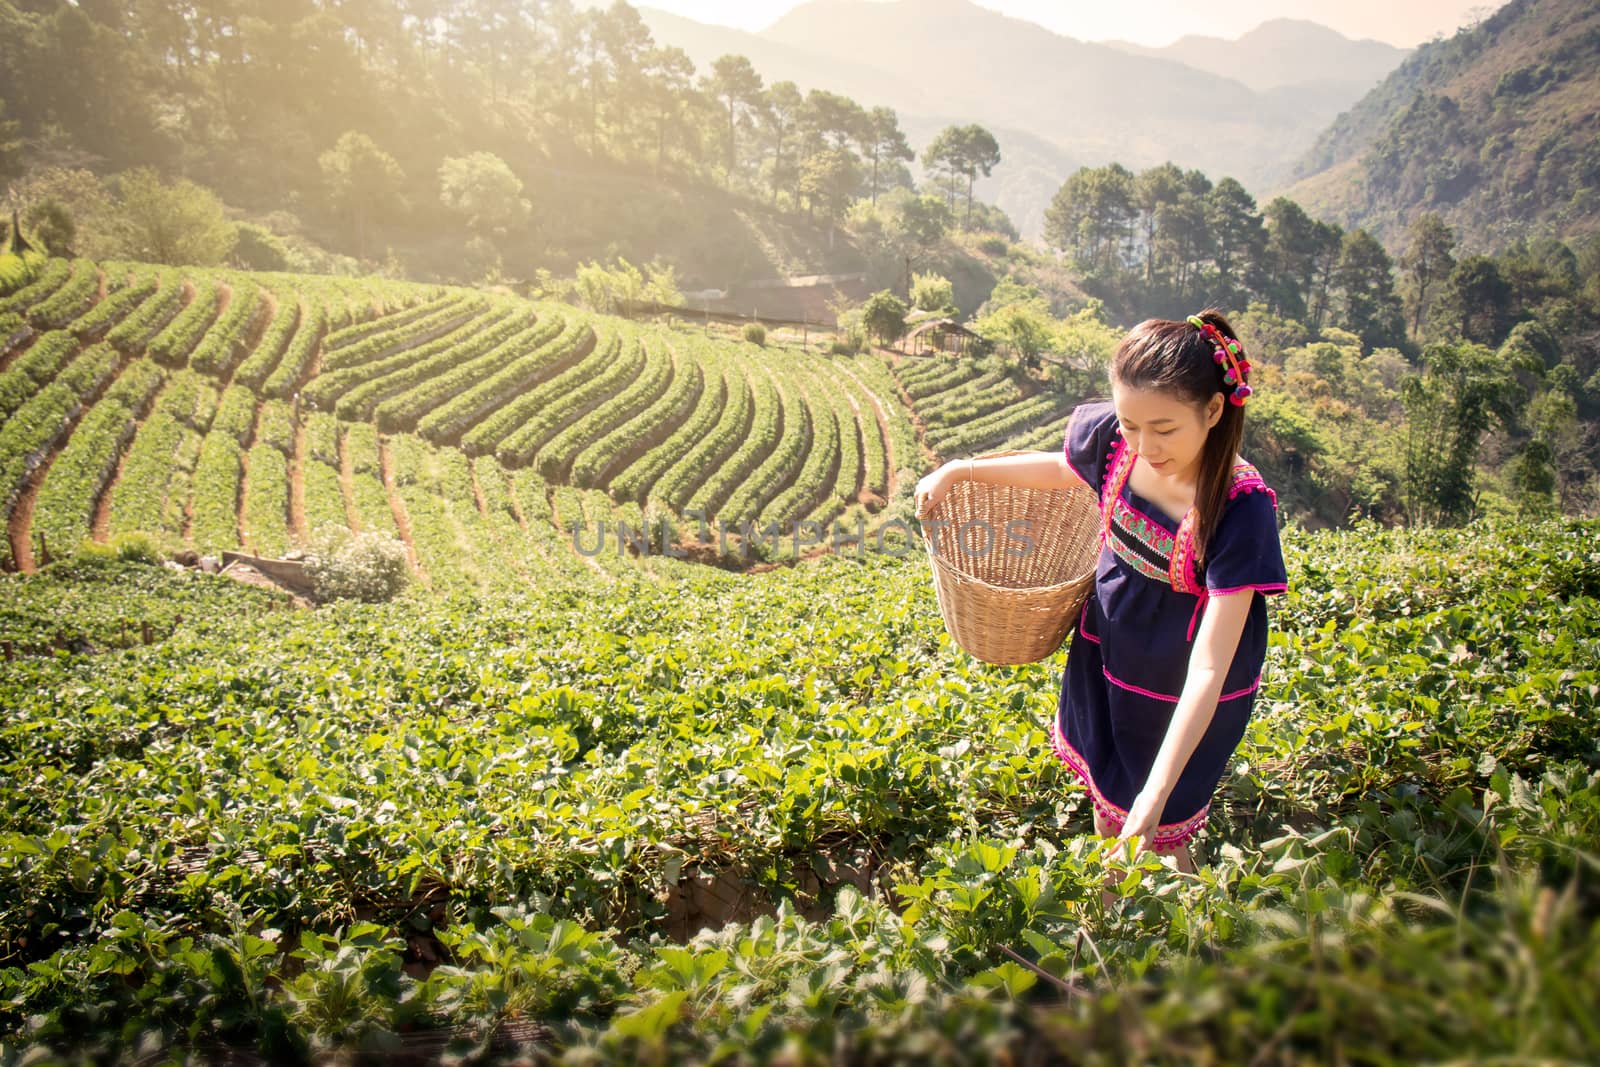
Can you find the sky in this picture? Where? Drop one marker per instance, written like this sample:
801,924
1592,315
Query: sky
1405,23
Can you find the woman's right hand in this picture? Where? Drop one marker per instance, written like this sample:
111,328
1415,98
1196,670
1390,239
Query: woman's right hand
932,488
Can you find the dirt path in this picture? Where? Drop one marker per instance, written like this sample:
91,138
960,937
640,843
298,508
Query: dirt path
402,521
347,478
19,524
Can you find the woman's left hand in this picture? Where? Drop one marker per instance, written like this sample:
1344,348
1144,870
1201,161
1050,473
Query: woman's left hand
1143,817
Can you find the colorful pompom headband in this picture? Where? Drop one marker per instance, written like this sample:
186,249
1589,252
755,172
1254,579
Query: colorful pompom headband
1235,368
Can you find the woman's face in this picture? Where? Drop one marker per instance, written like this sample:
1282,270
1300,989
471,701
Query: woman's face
1167,432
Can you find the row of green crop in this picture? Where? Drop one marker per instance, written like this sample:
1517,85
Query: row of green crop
64,510
839,391
140,496
35,369
770,420
262,362
219,472
275,426
227,343
298,354
909,464
363,329
71,300
795,437
1011,419
974,398
448,559
916,370
952,377
618,359
173,345
496,411
703,475
534,550
612,416
369,499
874,456
319,474
329,386
134,333
661,471
51,276
129,285
29,433
429,362
447,317
630,440
493,406
264,510
453,377
822,462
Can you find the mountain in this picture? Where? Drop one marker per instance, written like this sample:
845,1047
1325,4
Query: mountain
1285,52
1497,129
1053,102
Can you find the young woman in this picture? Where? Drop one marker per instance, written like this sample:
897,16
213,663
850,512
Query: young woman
1163,668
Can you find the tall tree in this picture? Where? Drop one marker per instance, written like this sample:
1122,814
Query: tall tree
1476,301
735,83
1365,279
1427,261
883,142
966,151
1154,190
671,79
781,114
1291,255
1238,241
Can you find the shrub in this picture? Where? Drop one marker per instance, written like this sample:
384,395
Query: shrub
755,333
137,547
369,566
93,552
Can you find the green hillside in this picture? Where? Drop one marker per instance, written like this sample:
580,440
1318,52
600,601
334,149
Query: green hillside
1495,129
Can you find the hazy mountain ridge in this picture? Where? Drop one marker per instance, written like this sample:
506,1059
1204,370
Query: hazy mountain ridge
1496,128
1282,53
1077,103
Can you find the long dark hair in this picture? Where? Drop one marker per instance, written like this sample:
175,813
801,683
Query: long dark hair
1176,358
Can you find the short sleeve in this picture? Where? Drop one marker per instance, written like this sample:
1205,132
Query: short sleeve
1245,552
1090,433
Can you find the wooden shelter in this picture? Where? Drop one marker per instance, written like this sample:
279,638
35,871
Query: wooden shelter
941,335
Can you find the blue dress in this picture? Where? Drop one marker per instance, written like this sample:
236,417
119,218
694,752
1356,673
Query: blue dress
1130,654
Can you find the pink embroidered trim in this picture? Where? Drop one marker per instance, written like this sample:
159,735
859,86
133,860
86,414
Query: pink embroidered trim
1166,835
1248,480
1083,624
1265,587
1130,687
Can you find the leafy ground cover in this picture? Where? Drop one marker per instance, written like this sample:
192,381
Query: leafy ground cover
457,822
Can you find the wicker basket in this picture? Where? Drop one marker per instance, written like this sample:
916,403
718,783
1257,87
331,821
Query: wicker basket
1003,600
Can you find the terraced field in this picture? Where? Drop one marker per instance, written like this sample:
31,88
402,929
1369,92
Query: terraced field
221,410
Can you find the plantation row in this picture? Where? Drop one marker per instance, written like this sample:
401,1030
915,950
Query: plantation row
230,410
782,818
966,409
